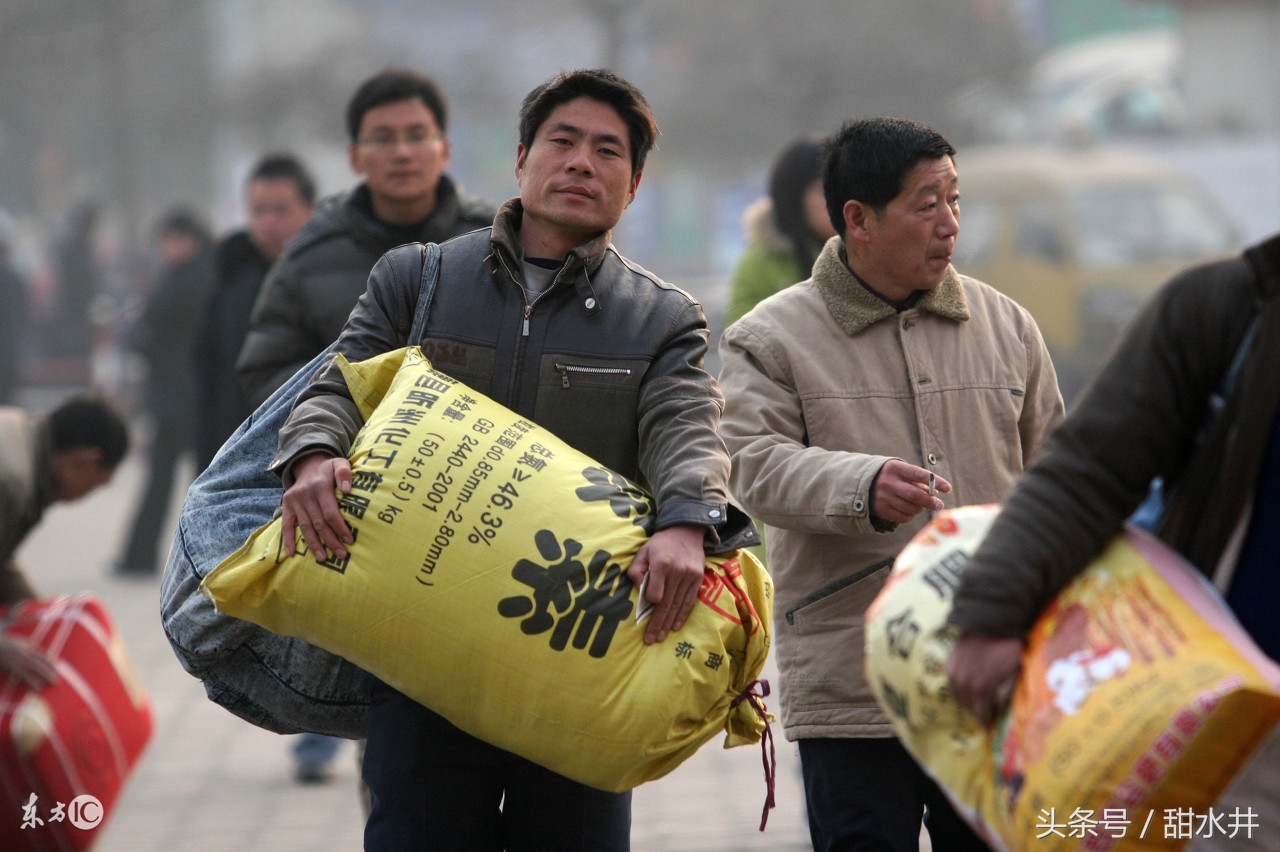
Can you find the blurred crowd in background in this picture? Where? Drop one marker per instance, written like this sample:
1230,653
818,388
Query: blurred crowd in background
115,112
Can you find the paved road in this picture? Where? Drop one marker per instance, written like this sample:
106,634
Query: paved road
209,782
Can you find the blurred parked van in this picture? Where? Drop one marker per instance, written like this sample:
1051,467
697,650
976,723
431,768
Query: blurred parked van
1081,238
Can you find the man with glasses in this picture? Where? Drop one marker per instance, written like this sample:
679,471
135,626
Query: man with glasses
396,121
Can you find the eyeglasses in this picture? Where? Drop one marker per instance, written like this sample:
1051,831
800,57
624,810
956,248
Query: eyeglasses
389,141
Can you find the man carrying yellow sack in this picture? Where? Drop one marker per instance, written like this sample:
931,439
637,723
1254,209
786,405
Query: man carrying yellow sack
539,313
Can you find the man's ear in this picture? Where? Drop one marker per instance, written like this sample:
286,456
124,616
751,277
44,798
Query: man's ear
520,155
635,184
855,215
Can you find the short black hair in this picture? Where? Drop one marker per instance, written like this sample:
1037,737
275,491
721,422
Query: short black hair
183,222
601,85
869,158
391,85
89,421
279,166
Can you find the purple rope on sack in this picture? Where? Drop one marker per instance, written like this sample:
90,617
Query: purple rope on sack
755,697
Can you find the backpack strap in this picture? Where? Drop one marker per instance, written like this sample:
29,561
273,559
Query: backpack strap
426,291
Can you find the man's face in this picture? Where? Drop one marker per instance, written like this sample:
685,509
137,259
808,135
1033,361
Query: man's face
401,153
575,178
909,243
277,211
176,247
76,472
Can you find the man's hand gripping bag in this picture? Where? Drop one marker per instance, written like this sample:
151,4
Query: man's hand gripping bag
1140,699
487,581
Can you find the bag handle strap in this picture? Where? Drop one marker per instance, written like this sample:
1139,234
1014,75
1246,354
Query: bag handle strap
426,291
1218,401
1150,514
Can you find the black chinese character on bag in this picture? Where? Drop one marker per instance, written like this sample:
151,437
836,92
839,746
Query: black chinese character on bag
902,631
364,480
408,416
894,701
331,561
625,499
532,461
353,504
569,598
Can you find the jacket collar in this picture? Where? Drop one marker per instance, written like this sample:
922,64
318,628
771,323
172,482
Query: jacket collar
854,308
237,252
350,213
506,241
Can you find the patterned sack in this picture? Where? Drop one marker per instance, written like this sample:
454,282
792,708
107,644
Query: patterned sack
1140,697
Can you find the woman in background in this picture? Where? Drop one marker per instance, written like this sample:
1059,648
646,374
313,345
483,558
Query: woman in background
785,230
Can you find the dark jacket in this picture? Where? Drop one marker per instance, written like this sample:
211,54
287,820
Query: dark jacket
609,358
314,285
13,327
166,337
221,404
1139,418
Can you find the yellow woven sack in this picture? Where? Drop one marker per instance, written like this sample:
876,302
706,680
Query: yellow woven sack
1140,698
487,581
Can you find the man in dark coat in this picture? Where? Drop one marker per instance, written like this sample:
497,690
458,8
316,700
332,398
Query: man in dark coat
164,338
13,320
396,122
278,197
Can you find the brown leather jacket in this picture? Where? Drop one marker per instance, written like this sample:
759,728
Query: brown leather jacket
1137,419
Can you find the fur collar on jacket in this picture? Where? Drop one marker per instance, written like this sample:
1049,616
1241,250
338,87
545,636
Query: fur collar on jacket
854,308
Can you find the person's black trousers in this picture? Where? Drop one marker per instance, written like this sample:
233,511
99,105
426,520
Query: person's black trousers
867,795
434,787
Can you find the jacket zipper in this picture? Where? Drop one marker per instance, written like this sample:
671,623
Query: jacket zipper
566,369
528,309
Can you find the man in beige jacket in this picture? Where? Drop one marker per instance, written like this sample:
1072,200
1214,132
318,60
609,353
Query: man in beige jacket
852,400
58,457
